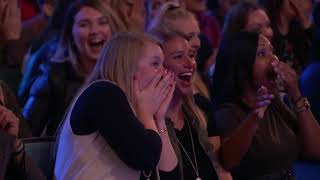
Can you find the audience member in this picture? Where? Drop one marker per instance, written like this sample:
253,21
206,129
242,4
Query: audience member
88,25
115,127
186,123
292,29
261,136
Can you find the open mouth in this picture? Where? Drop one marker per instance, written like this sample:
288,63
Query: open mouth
96,45
186,78
272,76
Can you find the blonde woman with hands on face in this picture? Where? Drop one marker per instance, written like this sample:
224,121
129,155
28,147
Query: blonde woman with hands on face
114,128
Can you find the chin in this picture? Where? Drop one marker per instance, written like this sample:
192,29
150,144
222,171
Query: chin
185,91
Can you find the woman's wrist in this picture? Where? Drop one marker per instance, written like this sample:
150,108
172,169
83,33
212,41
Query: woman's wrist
294,94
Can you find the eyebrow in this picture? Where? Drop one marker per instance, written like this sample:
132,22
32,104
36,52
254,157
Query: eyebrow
176,52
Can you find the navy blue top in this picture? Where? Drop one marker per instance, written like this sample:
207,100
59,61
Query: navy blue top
104,107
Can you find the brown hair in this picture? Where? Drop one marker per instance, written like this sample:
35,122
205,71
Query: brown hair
66,50
237,18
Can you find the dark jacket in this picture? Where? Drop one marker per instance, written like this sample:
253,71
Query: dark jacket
50,96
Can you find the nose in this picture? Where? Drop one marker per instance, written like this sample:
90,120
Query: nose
267,32
190,63
94,28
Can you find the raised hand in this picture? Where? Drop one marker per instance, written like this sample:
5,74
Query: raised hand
8,122
303,10
263,100
168,94
288,76
10,19
149,99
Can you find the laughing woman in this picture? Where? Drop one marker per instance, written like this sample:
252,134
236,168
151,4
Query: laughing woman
261,136
88,25
186,123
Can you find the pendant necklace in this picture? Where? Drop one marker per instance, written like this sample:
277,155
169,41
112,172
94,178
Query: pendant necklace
195,165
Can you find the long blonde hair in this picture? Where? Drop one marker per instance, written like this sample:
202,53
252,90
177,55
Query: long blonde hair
119,59
165,22
117,63
188,101
168,14
66,50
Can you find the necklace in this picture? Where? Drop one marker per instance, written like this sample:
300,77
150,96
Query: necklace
195,165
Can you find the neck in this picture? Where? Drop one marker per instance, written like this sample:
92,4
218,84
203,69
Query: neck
175,110
283,24
86,66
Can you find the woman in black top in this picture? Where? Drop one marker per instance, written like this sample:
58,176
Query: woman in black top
261,136
112,128
186,123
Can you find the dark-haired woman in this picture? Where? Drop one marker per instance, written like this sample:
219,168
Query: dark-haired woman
261,136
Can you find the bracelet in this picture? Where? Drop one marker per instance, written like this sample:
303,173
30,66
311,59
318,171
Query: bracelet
19,150
304,107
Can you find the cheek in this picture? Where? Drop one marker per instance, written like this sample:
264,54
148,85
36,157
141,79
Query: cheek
79,37
145,76
107,32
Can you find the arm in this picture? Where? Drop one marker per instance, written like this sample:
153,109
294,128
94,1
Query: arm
104,107
237,140
36,108
236,144
309,129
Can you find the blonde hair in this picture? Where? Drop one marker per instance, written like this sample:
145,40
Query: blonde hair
168,14
119,59
188,101
165,22
66,50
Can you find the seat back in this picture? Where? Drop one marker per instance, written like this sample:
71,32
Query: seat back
39,149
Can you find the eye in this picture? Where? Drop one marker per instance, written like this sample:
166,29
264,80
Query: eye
178,57
261,54
83,24
192,55
103,21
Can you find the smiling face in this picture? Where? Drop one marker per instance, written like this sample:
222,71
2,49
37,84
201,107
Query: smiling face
263,73
90,31
150,63
180,58
258,21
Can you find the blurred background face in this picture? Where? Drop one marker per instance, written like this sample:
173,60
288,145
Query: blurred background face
288,9
258,21
196,5
90,31
153,6
225,5
150,63
180,58
190,29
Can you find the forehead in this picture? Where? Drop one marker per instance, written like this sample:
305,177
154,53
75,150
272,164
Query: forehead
187,25
257,16
152,49
176,43
87,12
